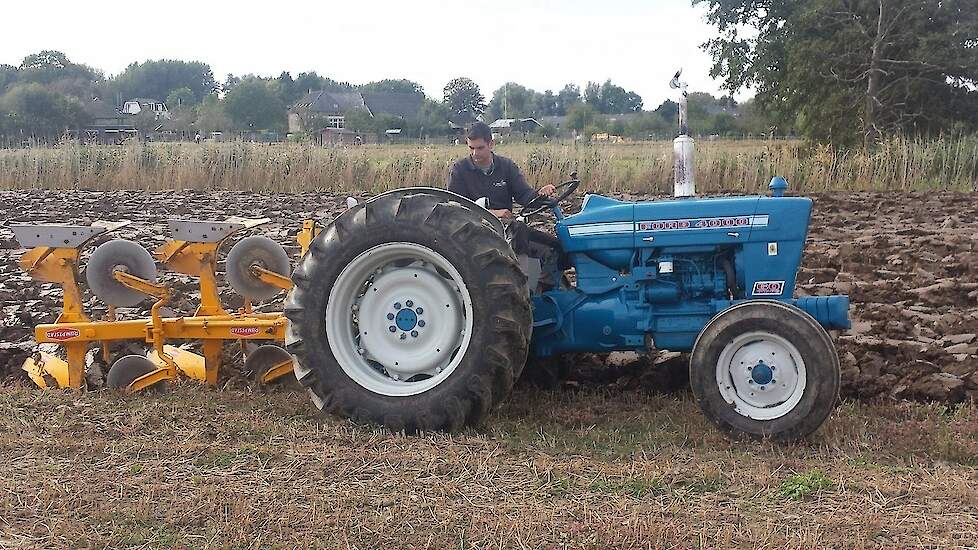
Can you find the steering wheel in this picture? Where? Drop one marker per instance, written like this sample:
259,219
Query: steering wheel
568,186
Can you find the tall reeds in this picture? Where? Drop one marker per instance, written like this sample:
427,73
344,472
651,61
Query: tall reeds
899,164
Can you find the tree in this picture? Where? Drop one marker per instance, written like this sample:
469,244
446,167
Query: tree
400,86
851,71
547,104
8,75
462,95
35,110
156,79
611,99
181,98
512,100
54,70
567,97
211,116
254,104
432,120
650,124
582,116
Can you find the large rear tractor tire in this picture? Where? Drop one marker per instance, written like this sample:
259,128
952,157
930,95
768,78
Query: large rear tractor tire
409,311
765,369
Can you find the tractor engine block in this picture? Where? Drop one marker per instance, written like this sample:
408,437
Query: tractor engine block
670,296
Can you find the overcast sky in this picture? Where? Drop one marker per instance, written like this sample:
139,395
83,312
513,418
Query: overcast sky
538,43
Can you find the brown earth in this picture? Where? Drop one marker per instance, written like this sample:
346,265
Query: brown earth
908,262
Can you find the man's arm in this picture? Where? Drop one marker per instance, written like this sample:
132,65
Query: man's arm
522,193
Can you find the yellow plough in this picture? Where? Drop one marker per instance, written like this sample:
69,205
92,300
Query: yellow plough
121,273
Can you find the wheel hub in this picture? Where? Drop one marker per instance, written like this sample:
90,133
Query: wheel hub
762,375
398,334
406,319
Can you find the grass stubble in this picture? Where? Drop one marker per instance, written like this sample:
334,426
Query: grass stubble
588,468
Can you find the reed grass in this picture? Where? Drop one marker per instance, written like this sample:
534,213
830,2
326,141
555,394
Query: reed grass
946,163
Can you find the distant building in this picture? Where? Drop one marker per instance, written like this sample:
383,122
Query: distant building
332,107
108,124
140,104
505,127
515,125
460,122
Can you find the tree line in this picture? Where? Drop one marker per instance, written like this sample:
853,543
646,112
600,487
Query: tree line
48,96
850,72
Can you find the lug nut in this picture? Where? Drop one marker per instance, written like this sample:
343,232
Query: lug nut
414,334
409,303
403,336
420,323
390,316
419,310
397,305
392,328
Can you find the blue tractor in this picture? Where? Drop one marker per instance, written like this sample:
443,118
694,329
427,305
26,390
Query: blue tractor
411,309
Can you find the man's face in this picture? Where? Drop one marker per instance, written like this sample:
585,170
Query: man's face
480,149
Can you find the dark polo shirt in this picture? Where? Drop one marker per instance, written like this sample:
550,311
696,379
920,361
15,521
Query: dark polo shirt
501,185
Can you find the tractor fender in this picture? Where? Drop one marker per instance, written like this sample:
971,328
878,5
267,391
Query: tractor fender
447,196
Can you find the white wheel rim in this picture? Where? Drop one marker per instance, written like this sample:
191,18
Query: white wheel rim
422,296
762,375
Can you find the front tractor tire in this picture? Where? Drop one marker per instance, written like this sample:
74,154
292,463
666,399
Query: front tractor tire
409,311
765,369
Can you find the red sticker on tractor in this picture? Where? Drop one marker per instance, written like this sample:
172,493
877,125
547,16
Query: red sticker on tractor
62,334
244,331
768,288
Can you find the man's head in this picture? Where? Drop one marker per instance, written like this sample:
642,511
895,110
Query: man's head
479,140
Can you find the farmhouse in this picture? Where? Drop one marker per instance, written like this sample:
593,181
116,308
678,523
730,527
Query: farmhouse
107,123
332,107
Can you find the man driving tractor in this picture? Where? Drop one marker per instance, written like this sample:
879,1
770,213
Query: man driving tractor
485,174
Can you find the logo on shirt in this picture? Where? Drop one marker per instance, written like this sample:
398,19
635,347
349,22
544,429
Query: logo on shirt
501,183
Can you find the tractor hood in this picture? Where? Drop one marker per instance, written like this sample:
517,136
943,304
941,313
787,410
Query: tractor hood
610,230
605,223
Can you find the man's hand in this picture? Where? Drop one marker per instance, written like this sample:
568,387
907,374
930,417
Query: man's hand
548,190
502,213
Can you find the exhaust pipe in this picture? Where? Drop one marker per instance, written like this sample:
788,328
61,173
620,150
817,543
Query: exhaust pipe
682,146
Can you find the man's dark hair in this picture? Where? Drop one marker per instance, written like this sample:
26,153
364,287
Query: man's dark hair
480,130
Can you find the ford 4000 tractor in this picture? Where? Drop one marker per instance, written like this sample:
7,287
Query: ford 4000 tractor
411,309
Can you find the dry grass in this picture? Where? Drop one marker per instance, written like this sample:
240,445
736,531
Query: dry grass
904,165
202,468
